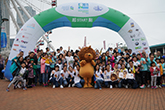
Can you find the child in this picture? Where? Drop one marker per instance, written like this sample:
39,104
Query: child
163,76
18,75
154,71
99,77
160,73
30,76
63,76
59,64
54,76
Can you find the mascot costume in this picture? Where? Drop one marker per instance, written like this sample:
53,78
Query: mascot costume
87,56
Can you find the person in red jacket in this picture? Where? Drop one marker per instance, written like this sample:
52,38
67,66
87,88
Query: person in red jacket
154,73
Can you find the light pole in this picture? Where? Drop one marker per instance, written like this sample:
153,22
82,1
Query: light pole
1,21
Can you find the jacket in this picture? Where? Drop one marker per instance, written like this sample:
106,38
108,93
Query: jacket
13,67
42,66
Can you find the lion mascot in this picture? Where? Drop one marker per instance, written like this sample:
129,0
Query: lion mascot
87,56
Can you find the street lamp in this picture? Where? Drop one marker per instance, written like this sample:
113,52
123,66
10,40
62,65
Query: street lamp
1,21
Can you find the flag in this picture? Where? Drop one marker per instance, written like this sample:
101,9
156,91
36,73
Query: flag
104,44
85,42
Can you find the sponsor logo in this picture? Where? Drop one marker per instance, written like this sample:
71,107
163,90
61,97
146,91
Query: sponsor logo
137,43
135,39
14,49
65,8
137,29
142,39
17,39
144,43
130,31
138,47
98,8
132,24
32,26
25,42
16,44
83,5
83,8
24,36
132,36
145,48
71,7
23,46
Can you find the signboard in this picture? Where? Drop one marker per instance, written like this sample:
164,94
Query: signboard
3,40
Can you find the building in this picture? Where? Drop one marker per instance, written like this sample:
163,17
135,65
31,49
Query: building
5,28
158,47
29,10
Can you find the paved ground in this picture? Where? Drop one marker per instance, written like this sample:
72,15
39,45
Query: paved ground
40,98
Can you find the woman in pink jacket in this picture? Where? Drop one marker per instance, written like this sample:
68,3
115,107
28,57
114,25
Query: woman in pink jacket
44,74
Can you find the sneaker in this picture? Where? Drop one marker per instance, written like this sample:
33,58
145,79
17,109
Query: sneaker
24,89
155,87
116,86
54,86
160,86
69,85
126,86
33,85
148,86
111,87
46,85
143,86
18,86
100,88
61,86
7,90
73,85
152,87
15,87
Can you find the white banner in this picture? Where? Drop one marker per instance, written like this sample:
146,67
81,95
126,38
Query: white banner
26,38
134,37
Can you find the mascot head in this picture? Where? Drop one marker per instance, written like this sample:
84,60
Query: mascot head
87,53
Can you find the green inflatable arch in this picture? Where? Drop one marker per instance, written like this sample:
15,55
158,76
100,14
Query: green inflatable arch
76,15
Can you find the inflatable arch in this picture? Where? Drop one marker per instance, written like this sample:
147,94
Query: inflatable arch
76,15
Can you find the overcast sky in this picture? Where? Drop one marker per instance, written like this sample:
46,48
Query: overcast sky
149,14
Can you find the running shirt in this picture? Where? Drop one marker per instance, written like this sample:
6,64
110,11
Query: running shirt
98,74
163,66
77,77
63,74
55,74
22,71
143,66
107,75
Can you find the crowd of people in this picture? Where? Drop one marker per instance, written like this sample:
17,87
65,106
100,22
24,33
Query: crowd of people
114,68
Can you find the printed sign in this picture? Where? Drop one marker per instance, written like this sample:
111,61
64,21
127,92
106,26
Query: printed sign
82,9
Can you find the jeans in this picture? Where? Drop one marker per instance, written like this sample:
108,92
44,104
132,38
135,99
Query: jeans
47,69
82,81
70,82
158,80
113,83
78,85
45,78
62,81
120,84
106,83
98,83
133,83
38,76
124,81
54,81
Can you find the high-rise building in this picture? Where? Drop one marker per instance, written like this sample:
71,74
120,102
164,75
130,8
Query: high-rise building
5,28
29,10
